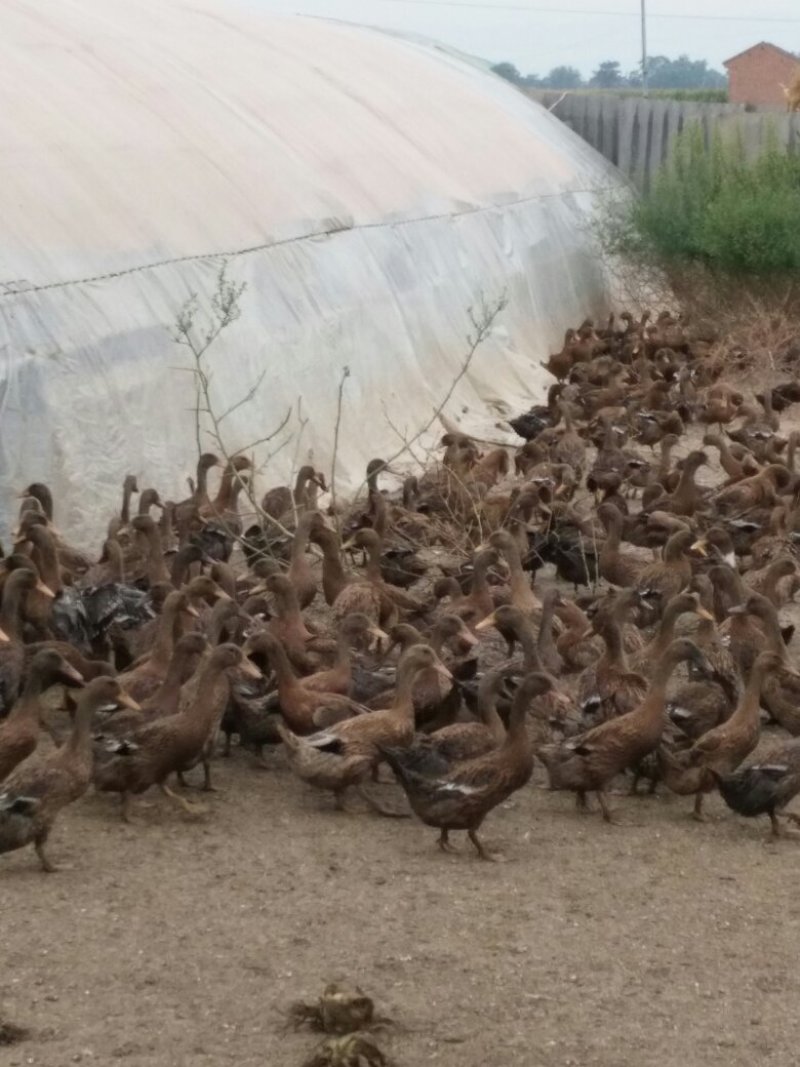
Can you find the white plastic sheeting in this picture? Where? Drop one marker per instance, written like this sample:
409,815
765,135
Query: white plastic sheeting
367,188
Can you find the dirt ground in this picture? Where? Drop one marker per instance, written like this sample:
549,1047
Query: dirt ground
658,941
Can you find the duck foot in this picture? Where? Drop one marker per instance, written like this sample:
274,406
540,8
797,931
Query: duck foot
483,852
47,865
190,809
607,813
444,842
697,813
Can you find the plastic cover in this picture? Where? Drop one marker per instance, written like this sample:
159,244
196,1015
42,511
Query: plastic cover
367,187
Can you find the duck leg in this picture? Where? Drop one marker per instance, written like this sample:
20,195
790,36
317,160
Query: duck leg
444,842
39,842
207,787
601,797
125,807
698,807
581,802
483,853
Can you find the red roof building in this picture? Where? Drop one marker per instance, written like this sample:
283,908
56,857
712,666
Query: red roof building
758,75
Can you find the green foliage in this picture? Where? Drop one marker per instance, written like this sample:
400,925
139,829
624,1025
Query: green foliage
680,79
712,205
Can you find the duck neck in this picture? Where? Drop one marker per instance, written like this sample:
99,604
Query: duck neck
165,639
79,742
373,568
489,715
184,558
225,497
545,644
46,558
665,633
168,693
521,592
614,653
27,707
200,494
333,576
127,493
772,628
651,710
156,568
748,711
11,610
685,493
403,705
523,631
116,567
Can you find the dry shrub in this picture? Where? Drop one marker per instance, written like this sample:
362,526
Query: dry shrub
757,323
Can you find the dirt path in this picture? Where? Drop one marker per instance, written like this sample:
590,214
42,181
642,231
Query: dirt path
659,941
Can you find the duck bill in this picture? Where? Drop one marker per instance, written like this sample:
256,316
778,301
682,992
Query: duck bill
190,610
703,614
4,636
220,594
700,547
72,676
486,624
45,590
443,672
737,609
468,638
128,701
249,669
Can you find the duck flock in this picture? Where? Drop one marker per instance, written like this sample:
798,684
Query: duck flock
586,603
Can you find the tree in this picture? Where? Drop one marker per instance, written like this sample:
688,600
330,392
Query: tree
607,76
682,73
564,78
533,81
508,71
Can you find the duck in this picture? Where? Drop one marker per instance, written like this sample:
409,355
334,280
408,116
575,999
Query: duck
554,706
33,796
144,677
765,786
281,502
780,692
19,731
466,740
701,703
540,417
149,754
186,512
670,575
304,710
588,762
617,568
354,630
682,604
17,585
609,687
458,795
344,754
723,748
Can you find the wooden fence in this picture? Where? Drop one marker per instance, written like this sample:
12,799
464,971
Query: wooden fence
636,133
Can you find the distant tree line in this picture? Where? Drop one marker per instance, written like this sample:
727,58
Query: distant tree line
662,73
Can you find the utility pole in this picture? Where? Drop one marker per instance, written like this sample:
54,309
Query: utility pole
644,47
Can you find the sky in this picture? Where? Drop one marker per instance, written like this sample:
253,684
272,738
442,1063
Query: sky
537,35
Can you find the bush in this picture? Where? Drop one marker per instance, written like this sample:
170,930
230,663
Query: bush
713,206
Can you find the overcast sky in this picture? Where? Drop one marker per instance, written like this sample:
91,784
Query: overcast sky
541,34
